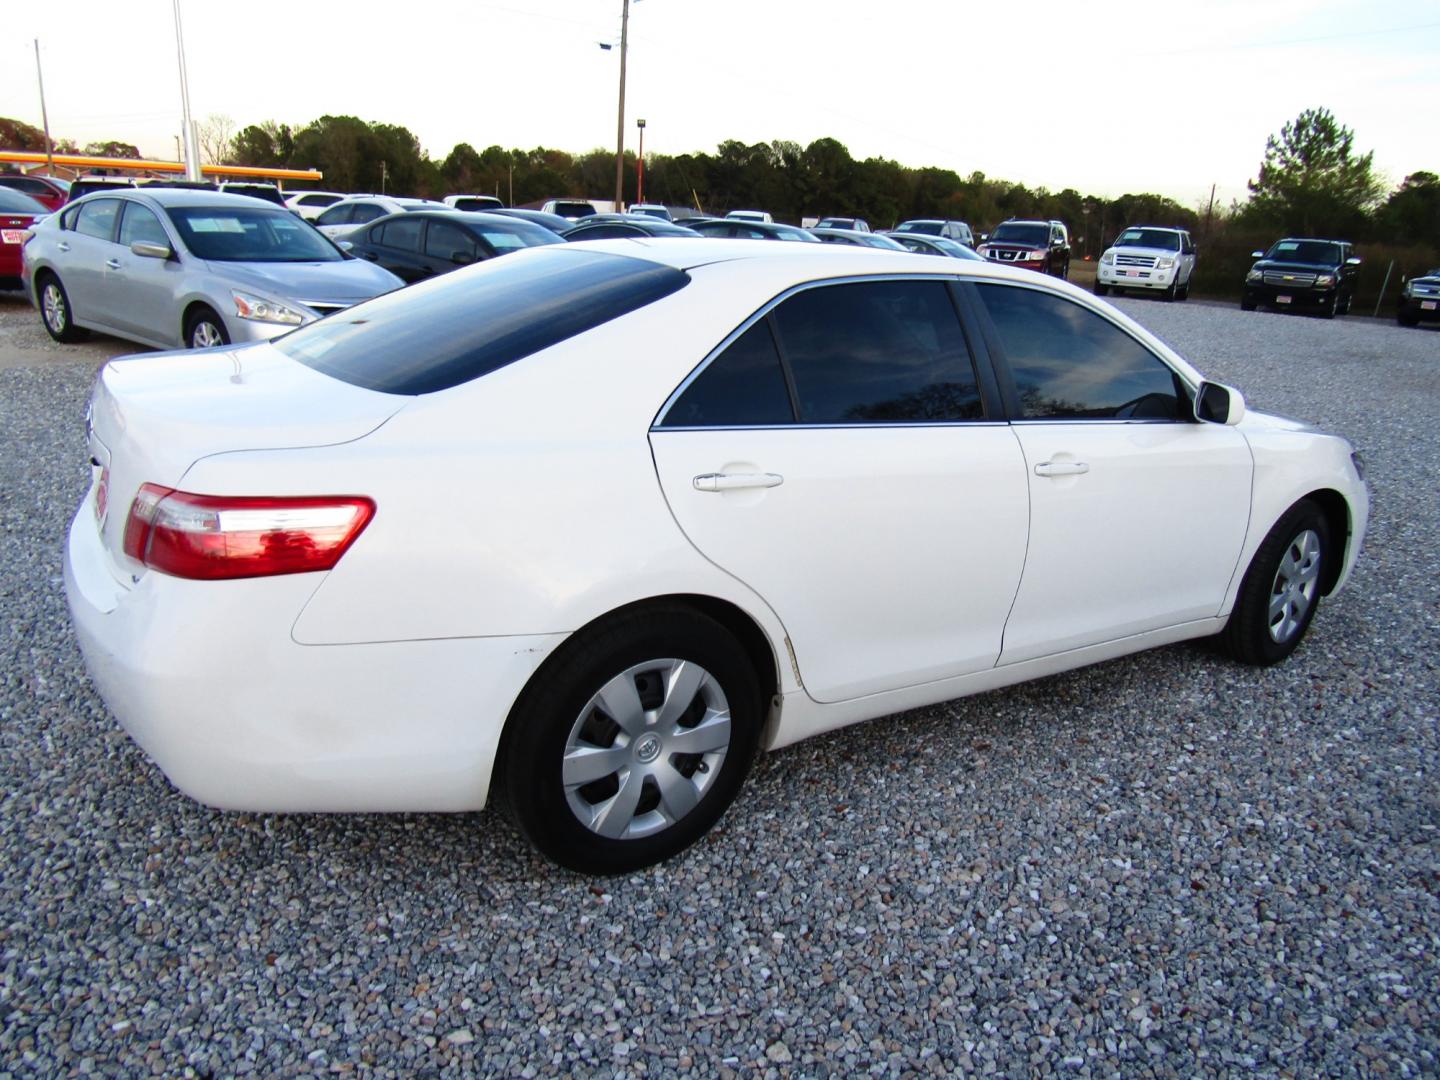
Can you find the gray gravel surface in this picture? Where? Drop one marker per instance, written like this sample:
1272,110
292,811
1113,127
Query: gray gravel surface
1167,865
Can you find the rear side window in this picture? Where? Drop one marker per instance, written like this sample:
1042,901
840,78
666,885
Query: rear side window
97,218
402,234
461,326
336,215
742,387
878,352
1069,363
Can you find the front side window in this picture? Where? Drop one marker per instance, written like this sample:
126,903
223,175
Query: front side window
446,240
878,352
97,218
1068,363
141,225
401,233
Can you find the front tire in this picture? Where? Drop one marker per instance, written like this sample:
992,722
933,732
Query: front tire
1281,589
632,740
56,313
1101,290
205,330
1247,304
1407,318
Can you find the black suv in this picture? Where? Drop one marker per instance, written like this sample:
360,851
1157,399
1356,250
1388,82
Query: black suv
1035,245
1303,274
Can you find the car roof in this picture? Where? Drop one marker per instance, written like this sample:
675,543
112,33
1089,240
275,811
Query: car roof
188,197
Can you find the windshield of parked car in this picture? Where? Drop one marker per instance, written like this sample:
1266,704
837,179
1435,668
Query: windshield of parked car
474,203
458,327
1163,239
1306,251
787,232
1014,233
242,234
929,228
513,235
17,202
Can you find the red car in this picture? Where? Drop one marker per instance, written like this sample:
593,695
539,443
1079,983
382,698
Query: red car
17,213
51,194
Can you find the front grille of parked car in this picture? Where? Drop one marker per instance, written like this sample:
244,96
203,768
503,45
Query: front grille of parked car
1147,261
1003,255
1425,290
1294,281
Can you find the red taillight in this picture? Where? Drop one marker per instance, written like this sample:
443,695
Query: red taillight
213,537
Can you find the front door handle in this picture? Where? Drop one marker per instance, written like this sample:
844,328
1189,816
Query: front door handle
1061,468
737,481
63,246
113,264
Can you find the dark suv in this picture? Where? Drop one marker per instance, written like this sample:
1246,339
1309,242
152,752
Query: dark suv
1035,245
1303,274
1420,299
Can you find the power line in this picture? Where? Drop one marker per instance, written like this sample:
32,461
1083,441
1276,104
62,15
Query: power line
1351,35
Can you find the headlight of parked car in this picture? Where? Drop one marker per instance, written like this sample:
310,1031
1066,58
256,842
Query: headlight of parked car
1164,262
1036,256
249,306
1409,289
1255,275
1108,258
1324,280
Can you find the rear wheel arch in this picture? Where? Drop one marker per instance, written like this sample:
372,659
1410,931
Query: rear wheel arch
731,617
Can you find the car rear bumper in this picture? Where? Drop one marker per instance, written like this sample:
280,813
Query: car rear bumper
206,677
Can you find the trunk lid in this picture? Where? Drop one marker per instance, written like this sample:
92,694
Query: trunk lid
151,417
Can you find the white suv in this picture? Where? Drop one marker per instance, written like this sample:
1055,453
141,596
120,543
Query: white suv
1151,258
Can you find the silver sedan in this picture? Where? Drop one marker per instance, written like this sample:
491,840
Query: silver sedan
187,268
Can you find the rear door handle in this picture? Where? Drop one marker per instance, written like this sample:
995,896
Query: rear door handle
113,264
737,481
1061,468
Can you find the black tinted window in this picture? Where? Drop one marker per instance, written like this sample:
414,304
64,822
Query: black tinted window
461,326
603,232
446,240
402,234
336,215
97,218
742,387
1069,362
878,351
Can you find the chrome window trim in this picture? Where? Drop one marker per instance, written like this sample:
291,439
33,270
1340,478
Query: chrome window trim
658,424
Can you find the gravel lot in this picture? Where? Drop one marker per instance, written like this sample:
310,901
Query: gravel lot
1167,865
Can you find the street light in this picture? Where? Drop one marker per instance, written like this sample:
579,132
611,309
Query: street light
192,149
640,165
620,123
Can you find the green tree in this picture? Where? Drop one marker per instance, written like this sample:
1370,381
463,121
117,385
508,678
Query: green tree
1412,213
1312,182
112,149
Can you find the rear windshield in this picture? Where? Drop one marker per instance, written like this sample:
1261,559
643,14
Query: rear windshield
930,228
17,202
467,324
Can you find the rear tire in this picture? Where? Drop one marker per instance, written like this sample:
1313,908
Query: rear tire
631,740
1281,589
56,312
205,330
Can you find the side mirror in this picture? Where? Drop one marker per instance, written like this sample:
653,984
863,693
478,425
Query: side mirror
461,258
1352,262
344,245
1216,403
1257,254
984,236
149,250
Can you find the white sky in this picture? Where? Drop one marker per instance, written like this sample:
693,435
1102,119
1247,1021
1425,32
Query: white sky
1113,98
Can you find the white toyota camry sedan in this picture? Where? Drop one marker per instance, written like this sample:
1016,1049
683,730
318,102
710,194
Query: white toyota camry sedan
588,526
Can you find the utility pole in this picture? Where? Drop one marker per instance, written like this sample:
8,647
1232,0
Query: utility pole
1209,212
44,115
192,149
620,123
